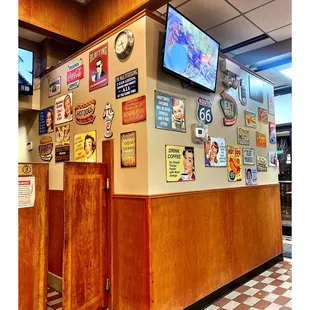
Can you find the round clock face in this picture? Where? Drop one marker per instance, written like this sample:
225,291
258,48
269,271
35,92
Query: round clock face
124,44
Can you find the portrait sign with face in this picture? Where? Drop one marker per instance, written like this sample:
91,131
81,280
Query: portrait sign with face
234,163
251,176
62,143
63,109
215,152
85,147
180,163
46,121
169,112
128,149
98,67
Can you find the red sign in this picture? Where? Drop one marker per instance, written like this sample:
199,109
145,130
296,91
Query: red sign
75,74
134,110
98,67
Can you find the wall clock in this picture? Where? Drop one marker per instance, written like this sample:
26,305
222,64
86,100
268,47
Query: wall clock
124,44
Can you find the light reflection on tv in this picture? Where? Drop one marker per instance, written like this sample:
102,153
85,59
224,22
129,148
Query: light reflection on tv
189,51
25,70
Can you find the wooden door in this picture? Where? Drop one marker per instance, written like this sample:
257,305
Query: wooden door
84,261
33,244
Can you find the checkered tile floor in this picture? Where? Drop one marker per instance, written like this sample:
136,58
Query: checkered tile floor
271,290
54,299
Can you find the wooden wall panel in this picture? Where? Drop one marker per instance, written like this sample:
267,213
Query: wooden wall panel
130,254
201,241
56,231
65,18
32,246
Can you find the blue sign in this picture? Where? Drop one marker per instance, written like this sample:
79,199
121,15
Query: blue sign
46,121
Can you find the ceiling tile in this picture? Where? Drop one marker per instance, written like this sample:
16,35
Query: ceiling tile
247,5
207,14
282,33
234,32
272,15
253,46
174,3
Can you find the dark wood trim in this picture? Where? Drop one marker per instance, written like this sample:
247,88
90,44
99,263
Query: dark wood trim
164,195
231,286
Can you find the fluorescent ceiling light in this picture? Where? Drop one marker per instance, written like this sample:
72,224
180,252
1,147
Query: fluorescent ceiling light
287,72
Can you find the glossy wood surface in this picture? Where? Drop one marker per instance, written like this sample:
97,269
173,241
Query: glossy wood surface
130,287
56,231
84,268
33,245
65,18
201,242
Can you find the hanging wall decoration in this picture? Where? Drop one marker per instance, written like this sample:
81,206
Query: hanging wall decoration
85,149
250,176
256,89
46,148
75,74
204,113
261,163
170,112
229,108
126,84
242,91
98,67
215,152
46,121
250,119
234,161
62,143
270,100
63,109
248,156
243,136
128,149
134,110
262,115
54,86
272,133
85,112
272,159
108,115
180,163
261,139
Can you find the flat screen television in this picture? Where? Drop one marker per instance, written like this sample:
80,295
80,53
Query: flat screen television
25,71
189,53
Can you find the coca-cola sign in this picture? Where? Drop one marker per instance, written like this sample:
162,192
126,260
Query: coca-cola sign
75,73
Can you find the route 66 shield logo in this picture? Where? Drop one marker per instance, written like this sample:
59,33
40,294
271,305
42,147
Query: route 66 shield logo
204,111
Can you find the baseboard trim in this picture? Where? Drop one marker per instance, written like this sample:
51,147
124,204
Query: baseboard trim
54,282
231,286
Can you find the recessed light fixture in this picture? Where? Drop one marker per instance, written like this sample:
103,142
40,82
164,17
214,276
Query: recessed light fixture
287,72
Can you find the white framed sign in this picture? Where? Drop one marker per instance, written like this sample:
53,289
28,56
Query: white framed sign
248,156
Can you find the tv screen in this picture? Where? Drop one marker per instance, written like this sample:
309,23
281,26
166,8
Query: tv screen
25,71
190,53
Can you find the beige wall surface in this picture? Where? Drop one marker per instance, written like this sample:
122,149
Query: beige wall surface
206,177
127,180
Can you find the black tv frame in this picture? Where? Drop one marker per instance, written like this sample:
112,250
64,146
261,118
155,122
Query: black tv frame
181,77
30,92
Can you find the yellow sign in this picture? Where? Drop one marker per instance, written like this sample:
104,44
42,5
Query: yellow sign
180,163
85,147
24,169
128,149
234,163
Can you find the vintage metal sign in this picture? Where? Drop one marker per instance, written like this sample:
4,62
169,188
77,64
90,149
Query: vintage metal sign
229,108
262,115
243,136
46,148
261,139
85,113
250,119
272,133
134,110
128,149
204,111
108,115
270,100
54,86
251,176
261,163
62,143
248,156
234,163
75,74
126,84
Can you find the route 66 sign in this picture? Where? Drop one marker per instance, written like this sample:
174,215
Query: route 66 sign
204,111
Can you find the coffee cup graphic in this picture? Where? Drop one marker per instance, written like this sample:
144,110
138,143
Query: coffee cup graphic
184,176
